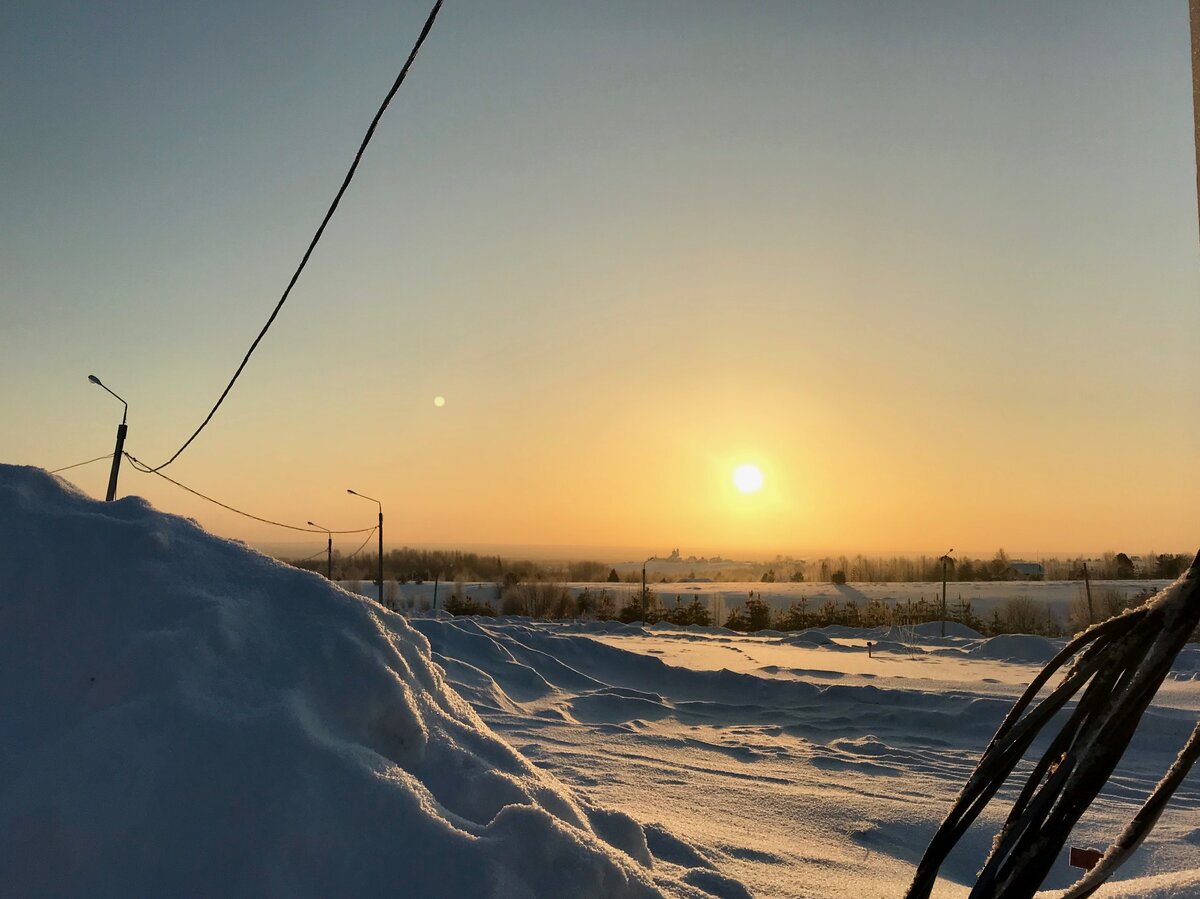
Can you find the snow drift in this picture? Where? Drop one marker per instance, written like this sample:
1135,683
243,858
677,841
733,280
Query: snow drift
182,715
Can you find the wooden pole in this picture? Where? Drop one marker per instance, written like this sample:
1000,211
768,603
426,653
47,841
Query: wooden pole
1194,6
1087,584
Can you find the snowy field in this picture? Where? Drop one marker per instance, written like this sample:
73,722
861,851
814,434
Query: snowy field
723,597
799,765
184,716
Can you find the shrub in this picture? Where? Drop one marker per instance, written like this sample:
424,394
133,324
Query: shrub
465,605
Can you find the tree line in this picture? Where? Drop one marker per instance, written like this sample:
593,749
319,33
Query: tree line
407,565
1017,615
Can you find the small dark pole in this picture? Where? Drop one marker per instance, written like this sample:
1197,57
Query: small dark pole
122,430
378,503
328,551
435,585
1087,586
945,562
651,559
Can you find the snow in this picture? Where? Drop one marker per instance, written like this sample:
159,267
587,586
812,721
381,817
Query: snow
184,715
800,765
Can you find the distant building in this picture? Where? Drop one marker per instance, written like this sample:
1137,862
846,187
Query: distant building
1026,571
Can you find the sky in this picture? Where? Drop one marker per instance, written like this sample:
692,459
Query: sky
931,267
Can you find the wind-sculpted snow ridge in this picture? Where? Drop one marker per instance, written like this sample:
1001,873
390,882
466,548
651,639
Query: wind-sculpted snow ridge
182,715
501,663
798,762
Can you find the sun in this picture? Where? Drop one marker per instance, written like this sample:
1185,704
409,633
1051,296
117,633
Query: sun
748,478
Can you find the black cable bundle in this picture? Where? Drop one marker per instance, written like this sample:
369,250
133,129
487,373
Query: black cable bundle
1122,662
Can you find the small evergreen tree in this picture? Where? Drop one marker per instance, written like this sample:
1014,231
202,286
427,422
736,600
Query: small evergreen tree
758,615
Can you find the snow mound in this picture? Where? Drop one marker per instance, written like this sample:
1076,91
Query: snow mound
184,715
810,637
953,629
1016,648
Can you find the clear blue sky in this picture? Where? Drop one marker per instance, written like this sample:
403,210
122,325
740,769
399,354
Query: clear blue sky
931,265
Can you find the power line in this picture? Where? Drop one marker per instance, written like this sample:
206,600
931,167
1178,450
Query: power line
319,552
364,543
316,237
146,469
78,464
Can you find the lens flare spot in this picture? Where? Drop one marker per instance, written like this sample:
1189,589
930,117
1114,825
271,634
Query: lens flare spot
439,401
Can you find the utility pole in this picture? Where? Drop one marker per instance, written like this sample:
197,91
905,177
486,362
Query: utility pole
122,430
328,551
1194,6
945,562
378,503
1087,585
651,559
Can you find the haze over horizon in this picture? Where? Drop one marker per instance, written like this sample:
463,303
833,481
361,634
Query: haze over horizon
930,269
625,555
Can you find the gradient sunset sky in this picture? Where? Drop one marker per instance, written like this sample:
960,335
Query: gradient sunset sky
932,266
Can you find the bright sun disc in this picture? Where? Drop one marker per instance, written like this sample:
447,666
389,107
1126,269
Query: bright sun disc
748,478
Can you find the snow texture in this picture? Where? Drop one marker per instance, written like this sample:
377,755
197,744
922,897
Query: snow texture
184,716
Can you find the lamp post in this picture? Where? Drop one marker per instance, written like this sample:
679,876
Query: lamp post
651,559
945,560
122,430
328,551
378,503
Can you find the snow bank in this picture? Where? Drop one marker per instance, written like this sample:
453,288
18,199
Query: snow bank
1016,648
185,716
952,628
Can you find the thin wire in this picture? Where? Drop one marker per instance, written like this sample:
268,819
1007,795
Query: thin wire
145,469
364,543
319,552
316,237
77,464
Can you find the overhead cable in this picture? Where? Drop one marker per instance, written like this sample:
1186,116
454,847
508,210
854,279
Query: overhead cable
146,469
319,552
316,237
78,464
364,543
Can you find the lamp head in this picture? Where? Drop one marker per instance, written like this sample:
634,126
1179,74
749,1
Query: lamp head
94,380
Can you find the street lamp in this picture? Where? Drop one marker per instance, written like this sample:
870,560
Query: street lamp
651,559
122,430
945,560
328,550
378,503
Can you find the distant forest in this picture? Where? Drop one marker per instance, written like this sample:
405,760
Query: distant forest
408,565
